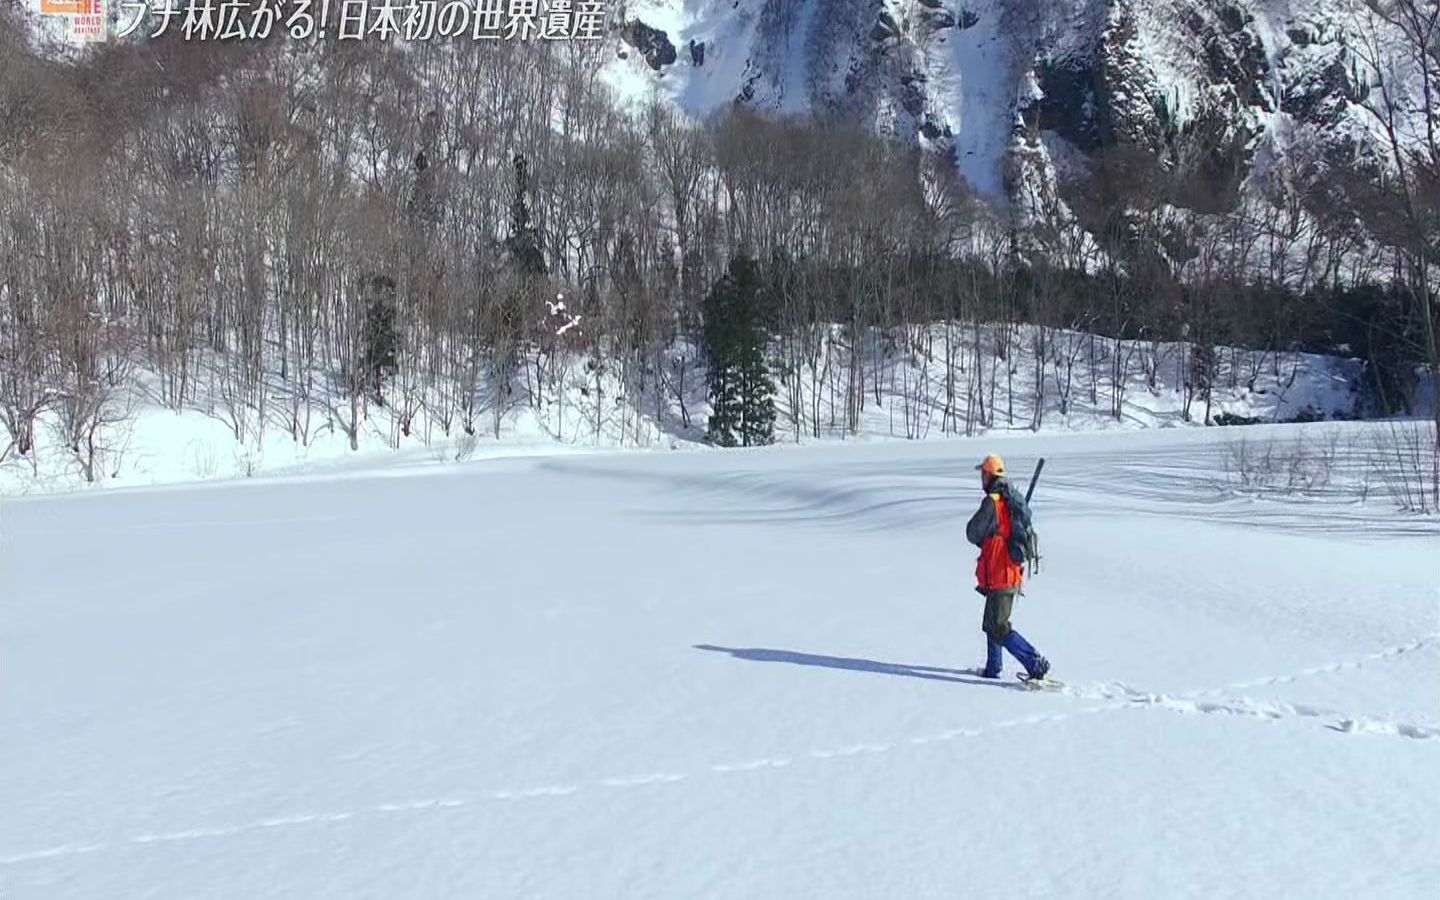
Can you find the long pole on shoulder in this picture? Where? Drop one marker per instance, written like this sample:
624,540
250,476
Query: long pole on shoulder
1034,478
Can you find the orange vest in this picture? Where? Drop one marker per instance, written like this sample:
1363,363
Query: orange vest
995,571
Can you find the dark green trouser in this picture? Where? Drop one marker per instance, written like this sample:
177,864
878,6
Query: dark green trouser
996,621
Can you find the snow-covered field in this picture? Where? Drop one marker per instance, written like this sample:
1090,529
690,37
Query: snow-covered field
717,675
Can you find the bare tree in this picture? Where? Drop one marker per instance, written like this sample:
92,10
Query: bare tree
1400,45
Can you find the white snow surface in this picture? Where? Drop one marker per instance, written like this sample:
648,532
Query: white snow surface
718,675
726,32
972,85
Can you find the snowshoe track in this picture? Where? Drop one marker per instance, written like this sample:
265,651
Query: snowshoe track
1107,696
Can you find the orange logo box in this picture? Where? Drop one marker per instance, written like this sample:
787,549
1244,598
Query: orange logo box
69,7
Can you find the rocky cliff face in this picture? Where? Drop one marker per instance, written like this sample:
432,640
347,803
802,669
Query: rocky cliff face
1215,90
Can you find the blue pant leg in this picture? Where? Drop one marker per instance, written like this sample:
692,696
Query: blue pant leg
1020,648
993,659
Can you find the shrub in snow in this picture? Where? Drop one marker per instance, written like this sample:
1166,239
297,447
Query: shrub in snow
1406,458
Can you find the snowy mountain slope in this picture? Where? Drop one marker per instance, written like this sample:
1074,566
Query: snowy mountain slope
972,91
387,687
1216,87
904,68
775,55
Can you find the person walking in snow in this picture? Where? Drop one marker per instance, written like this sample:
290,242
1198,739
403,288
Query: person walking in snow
998,576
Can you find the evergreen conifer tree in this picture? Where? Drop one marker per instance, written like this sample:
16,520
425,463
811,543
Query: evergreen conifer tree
740,388
381,339
524,240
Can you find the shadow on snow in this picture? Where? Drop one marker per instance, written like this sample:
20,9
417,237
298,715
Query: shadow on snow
930,673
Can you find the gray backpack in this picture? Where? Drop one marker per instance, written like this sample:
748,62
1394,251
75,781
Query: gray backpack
1024,544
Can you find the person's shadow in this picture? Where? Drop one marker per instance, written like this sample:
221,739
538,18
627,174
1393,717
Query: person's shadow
931,673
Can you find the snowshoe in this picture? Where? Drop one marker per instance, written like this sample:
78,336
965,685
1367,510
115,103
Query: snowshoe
1039,683
1039,678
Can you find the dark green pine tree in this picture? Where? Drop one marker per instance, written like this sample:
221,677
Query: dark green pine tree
757,392
424,205
523,241
381,340
742,406
722,382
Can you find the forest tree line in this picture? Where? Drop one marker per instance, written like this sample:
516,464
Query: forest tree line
365,224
